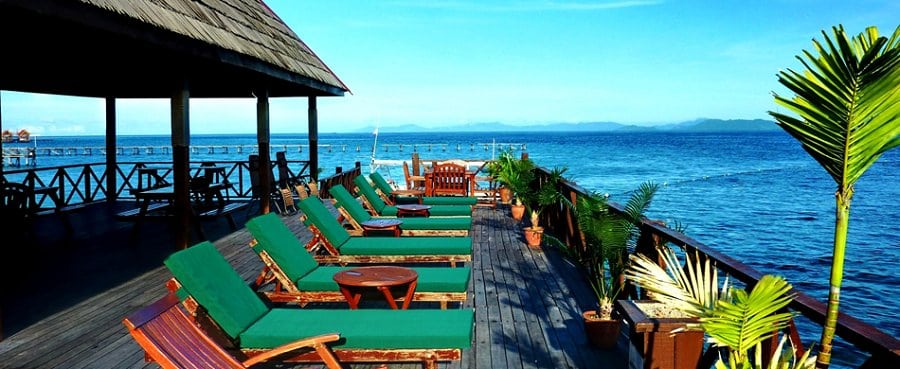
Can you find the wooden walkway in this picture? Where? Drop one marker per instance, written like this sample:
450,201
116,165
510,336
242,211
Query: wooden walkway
65,310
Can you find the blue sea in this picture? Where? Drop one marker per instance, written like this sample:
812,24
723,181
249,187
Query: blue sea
757,197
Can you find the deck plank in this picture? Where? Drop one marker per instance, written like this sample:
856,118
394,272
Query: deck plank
67,312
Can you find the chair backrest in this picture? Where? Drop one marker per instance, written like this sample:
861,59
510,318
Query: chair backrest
172,340
380,183
205,274
366,189
319,216
352,206
14,199
406,175
449,179
276,239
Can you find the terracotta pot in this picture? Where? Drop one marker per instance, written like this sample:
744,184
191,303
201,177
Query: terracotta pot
601,333
517,211
533,236
505,195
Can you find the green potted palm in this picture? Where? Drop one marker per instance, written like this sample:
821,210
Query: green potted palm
501,170
517,175
537,200
606,236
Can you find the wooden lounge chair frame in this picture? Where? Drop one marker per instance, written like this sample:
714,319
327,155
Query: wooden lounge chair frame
284,290
171,338
428,357
356,229
324,252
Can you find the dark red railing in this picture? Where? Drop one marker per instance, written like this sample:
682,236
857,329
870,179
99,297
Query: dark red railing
340,177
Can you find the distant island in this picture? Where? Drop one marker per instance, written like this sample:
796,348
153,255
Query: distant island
698,126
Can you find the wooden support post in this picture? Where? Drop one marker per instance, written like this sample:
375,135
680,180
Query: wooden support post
180,106
262,138
111,159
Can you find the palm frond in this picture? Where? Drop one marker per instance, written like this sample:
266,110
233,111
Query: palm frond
847,101
751,317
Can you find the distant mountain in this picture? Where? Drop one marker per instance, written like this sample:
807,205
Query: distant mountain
732,125
698,125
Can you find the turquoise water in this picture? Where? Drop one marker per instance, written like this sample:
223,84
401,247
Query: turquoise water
756,196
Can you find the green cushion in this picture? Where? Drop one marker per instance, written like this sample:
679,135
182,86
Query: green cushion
322,218
346,200
407,246
380,183
437,223
436,210
282,245
449,200
365,328
205,274
365,189
431,279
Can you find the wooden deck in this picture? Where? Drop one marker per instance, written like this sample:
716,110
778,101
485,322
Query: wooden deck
66,310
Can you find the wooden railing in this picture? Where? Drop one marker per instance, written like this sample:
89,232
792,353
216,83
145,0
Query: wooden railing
341,177
81,184
884,349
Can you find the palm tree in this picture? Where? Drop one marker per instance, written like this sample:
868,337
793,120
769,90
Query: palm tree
848,102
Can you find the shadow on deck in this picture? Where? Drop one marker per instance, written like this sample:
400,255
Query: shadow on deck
64,306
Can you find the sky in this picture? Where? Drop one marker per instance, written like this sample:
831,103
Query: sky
456,62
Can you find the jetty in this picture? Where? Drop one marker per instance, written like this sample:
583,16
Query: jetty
253,148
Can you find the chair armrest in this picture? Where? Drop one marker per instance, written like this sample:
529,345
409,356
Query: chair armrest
317,343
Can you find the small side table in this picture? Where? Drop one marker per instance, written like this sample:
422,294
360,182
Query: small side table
354,281
381,225
397,194
413,210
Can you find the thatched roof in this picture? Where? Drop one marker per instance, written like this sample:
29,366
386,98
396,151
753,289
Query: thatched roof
146,48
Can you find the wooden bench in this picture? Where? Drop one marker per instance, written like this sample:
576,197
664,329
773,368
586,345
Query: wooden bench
132,214
224,211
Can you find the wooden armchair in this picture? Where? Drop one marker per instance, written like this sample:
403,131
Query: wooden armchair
413,182
449,179
171,339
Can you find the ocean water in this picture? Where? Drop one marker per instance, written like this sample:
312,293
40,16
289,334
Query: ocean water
757,197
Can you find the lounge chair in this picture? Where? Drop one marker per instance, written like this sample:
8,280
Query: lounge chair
215,292
171,339
355,214
385,188
340,247
377,205
300,279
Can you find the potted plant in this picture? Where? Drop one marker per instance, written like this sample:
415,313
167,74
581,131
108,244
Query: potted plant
535,201
734,319
517,176
606,237
501,170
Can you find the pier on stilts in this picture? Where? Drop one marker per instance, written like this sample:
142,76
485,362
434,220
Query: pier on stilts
248,149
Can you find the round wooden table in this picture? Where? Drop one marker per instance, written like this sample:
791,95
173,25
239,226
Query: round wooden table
372,226
413,210
354,281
